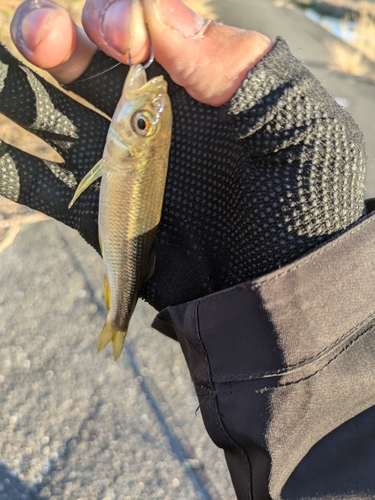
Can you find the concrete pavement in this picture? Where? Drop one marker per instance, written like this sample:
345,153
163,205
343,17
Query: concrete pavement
75,424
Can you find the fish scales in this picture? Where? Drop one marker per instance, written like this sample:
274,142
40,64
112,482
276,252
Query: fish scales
123,268
133,170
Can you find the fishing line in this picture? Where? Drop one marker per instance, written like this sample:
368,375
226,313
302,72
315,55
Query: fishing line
64,85
146,65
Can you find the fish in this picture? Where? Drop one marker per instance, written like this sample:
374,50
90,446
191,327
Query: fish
133,170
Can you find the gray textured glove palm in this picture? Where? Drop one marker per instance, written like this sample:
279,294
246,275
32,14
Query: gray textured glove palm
251,185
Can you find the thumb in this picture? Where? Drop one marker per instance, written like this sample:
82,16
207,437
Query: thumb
209,59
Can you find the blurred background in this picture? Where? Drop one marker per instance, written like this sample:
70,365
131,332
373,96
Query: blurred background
74,424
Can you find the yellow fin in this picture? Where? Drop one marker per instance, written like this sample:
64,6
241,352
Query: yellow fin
118,343
96,172
112,334
107,293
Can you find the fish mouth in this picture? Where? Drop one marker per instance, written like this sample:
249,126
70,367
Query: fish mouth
155,84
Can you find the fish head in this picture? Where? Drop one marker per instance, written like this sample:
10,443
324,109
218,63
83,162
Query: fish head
141,125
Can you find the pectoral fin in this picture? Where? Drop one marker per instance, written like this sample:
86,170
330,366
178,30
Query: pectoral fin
112,334
96,172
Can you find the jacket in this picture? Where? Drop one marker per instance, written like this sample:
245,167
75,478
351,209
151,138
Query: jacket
284,370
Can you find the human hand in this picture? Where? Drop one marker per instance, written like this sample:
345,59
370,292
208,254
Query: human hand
231,211
208,59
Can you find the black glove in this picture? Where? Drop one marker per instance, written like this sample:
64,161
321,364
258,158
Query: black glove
251,185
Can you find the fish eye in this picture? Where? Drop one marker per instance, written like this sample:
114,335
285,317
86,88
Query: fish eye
143,123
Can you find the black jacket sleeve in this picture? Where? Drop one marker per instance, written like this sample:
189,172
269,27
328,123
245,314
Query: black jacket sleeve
283,364
284,370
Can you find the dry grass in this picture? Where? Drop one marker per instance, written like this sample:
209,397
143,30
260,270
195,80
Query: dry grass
352,61
284,3
364,36
346,60
205,8
358,7
12,217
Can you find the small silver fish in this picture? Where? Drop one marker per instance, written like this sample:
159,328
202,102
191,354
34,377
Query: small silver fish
134,170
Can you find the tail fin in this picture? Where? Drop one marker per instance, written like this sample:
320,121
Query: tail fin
112,334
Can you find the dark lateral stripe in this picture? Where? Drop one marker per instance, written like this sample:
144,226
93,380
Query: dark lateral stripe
136,270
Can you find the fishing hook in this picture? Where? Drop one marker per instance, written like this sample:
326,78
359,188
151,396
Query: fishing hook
151,58
145,65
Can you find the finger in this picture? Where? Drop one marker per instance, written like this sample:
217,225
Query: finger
39,107
46,36
209,59
48,187
117,28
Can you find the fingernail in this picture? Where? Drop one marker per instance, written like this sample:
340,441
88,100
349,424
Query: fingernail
34,26
180,17
116,23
